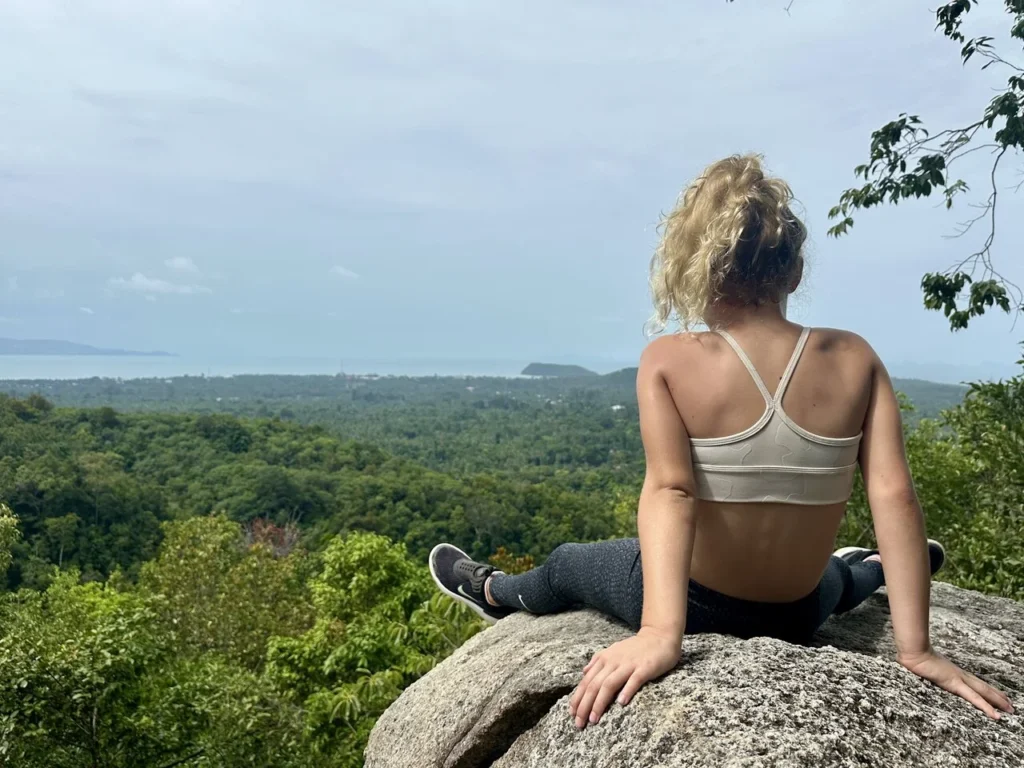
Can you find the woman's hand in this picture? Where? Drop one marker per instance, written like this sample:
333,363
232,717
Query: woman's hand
947,675
622,669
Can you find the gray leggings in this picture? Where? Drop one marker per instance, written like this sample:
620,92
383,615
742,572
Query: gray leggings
606,575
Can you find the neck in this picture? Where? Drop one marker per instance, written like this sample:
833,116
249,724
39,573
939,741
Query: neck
733,316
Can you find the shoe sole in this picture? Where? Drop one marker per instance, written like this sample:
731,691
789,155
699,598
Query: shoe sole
455,595
942,549
841,553
932,542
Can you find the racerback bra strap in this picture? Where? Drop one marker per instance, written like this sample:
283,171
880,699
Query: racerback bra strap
786,375
749,365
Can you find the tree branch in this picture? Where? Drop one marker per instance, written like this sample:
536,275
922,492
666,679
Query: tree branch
984,255
994,58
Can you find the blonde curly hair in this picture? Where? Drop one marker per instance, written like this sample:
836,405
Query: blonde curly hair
731,237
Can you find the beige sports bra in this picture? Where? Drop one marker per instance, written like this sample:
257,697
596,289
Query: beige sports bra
774,460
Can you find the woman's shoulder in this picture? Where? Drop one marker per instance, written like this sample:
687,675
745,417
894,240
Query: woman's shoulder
672,350
670,346
841,341
666,356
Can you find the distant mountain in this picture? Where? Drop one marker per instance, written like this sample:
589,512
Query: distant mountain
625,378
53,347
948,373
930,397
553,370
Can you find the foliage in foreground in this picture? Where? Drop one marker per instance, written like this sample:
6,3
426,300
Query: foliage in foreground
220,656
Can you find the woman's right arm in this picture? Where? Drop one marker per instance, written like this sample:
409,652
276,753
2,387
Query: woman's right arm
899,529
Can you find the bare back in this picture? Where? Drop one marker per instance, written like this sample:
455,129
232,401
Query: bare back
766,551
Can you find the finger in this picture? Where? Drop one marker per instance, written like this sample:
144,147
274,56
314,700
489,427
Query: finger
574,700
588,675
587,702
1009,705
581,689
964,691
993,696
611,686
635,683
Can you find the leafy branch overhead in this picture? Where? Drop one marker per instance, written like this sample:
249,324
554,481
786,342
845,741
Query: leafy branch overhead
909,162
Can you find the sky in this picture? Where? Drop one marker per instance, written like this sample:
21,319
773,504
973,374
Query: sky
456,178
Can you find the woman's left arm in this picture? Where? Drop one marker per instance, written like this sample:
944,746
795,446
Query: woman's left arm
666,522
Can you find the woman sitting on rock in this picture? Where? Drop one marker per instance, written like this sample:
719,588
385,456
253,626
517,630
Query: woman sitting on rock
752,432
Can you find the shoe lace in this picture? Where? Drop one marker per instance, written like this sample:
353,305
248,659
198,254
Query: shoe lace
475,573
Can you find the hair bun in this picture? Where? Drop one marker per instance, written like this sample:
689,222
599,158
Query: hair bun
731,237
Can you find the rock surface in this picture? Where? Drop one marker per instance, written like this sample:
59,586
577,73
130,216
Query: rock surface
502,698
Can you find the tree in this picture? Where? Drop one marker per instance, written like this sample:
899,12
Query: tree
226,431
223,593
62,532
9,535
380,625
990,427
907,161
89,677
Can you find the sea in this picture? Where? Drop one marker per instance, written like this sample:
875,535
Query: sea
34,367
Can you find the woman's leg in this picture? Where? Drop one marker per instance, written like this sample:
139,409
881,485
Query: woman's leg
605,575
845,586
854,573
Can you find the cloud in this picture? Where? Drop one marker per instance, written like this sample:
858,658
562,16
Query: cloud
12,284
182,264
86,311
339,271
237,311
139,283
10,321
50,293
148,105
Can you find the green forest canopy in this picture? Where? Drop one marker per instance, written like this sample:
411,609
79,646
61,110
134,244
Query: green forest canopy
532,425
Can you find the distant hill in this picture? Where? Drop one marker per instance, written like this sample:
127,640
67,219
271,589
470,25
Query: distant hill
553,370
928,397
54,347
625,378
950,373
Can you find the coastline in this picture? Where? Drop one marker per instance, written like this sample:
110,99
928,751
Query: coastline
29,368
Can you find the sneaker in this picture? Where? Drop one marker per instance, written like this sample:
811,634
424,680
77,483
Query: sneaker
463,579
853,555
